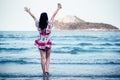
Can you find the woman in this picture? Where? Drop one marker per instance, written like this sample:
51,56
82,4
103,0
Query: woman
44,40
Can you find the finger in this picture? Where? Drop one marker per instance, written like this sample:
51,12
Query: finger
25,7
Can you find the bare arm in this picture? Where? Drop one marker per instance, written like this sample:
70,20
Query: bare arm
28,11
56,11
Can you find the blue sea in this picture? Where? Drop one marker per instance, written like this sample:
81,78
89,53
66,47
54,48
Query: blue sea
91,54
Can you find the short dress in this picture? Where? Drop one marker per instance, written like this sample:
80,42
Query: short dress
44,39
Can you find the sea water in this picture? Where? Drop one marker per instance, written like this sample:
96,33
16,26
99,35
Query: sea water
74,53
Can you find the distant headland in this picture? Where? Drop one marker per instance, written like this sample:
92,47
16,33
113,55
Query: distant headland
75,23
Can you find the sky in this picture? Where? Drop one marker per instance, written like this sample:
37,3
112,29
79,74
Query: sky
14,18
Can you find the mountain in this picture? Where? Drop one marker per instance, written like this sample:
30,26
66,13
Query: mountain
75,23
71,19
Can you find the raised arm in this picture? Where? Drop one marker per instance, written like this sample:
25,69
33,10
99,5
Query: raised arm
56,11
28,11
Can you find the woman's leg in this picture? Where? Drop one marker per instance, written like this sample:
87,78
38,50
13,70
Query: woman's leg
42,53
48,50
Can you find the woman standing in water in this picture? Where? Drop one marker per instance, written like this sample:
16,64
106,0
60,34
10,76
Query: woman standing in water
44,40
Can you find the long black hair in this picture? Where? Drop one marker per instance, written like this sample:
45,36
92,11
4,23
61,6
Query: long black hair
43,21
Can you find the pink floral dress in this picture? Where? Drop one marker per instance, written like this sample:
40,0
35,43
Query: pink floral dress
44,39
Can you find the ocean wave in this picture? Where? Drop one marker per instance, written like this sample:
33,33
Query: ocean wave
78,50
18,60
13,49
4,43
106,44
73,37
18,34
85,44
61,61
117,44
71,49
17,37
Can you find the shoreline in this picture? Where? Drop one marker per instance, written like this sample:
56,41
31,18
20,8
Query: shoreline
60,78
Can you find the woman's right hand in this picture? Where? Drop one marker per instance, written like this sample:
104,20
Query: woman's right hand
27,9
59,6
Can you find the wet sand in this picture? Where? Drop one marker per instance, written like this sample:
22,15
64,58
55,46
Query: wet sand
60,72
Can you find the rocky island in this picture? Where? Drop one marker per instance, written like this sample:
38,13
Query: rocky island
75,23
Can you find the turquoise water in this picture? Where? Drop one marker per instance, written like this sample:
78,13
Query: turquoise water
74,53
